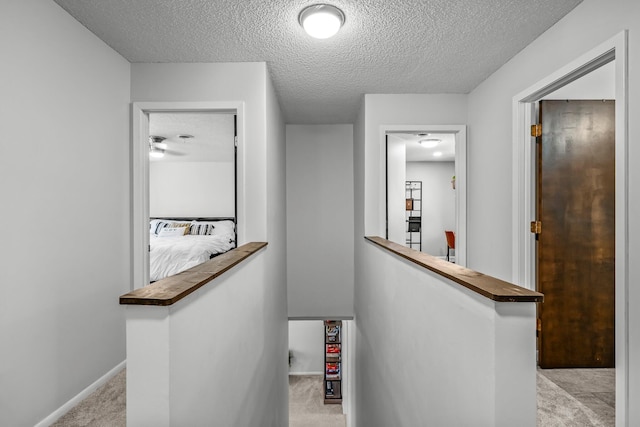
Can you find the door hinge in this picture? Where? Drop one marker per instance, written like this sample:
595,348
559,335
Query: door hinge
536,227
539,325
235,141
536,130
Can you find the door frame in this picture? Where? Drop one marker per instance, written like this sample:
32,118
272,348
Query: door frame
460,132
140,175
523,209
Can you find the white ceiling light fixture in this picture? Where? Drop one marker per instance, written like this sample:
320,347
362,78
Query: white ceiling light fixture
437,154
321,20
429,142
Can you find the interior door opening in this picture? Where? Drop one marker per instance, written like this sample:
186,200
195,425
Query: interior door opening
320,371
194,185
425,189
610,59
192,170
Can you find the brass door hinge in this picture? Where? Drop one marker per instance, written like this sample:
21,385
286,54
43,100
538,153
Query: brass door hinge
539,325
536,227
536,130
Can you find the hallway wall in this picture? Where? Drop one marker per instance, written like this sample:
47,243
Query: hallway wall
490,154
64,181
320,221
261,212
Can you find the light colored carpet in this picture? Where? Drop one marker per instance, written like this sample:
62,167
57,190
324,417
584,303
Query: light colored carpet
557,408
105,407
306,404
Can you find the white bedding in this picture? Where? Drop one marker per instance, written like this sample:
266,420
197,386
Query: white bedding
171,255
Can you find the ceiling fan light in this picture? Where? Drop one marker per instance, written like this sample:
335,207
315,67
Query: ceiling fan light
156,152
429,142
321,20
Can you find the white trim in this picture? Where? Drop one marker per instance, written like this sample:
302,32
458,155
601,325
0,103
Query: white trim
523,192
140,175
460,132
349,392
318,373
74,401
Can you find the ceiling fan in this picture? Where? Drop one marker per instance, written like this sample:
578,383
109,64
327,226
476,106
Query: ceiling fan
158,147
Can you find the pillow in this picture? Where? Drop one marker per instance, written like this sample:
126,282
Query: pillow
201,228
172,231
186,225
155,225
220,227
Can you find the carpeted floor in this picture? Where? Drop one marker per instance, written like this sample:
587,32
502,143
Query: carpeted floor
576,397
105,407
566,398
306,404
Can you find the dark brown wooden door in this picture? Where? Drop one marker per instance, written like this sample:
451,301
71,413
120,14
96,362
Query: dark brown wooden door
576,248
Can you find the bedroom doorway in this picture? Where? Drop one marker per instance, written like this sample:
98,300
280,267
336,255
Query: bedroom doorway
425,187
192,191
200,145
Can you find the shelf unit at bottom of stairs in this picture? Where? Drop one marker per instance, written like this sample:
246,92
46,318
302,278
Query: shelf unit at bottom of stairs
333,361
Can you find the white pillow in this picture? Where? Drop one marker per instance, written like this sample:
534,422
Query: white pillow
201,228
172,231
223,227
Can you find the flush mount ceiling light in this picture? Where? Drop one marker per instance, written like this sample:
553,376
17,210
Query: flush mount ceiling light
429,142
321,20
437,154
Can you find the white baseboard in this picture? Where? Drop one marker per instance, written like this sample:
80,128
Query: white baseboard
306,373
58,413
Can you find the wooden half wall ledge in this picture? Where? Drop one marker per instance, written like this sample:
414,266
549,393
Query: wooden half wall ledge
487,286
172,289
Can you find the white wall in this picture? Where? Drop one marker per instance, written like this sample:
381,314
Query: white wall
410,109
376,112
276,270
261,205
231,82
319,221
438,203
64,180
396,189
490,153
306,341
188,189
204,360
431,352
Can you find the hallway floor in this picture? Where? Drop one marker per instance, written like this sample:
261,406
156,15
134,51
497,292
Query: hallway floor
566,398
576,397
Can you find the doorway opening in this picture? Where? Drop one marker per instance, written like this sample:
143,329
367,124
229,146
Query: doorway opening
162,118
610,55
425,188
320,372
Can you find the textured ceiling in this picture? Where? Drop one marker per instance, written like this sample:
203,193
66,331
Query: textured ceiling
385,46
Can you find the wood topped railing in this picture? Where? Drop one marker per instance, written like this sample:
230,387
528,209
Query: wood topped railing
172,289
487,286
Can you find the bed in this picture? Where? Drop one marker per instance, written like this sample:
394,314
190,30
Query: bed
177,244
